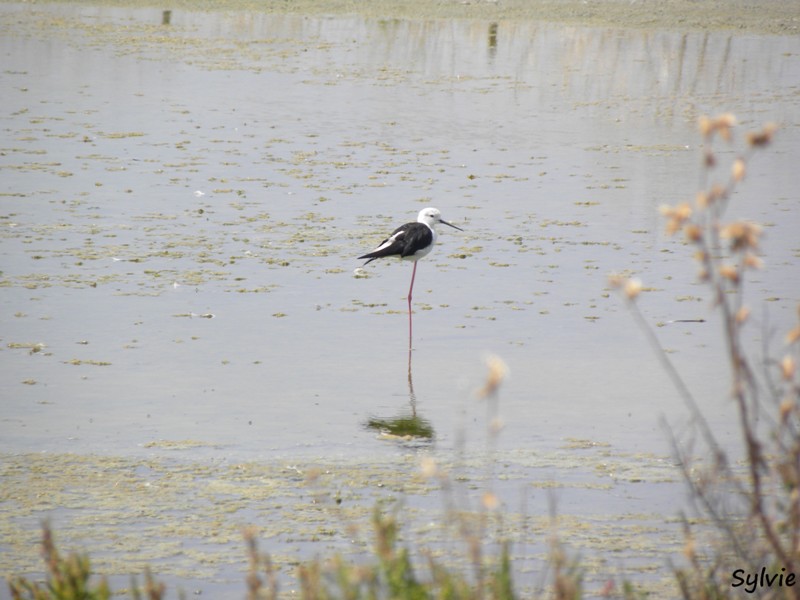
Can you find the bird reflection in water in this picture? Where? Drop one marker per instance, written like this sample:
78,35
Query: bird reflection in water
408,426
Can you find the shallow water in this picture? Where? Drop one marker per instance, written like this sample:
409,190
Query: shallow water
182,205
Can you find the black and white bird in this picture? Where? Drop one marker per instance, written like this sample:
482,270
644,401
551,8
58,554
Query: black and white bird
411,241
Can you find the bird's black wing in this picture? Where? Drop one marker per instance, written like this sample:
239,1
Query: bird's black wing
417,237
394,245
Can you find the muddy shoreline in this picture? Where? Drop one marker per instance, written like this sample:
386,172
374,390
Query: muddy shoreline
778,17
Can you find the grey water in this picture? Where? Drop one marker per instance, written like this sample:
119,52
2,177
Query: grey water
182,202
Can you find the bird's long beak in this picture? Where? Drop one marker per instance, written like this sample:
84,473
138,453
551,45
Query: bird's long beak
443,222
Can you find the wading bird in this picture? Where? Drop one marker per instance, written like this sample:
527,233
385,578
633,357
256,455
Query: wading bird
411,241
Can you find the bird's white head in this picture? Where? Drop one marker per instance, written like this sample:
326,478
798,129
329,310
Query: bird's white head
432,216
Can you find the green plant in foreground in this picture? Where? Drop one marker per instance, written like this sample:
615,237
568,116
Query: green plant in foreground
392,574
68,578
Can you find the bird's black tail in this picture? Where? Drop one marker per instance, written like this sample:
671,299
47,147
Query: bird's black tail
389,251
371,258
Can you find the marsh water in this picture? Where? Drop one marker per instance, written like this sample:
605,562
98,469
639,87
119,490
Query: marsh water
184,195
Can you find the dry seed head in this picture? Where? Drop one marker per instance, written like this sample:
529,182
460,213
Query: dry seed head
751,261
693,232
683,211
793,336
788,367
677,215
752,233
702,200
721,123
742,315
616,281
763,137
717,191
724,123
490,501
498,370
729,272
787,408
633,287
673,225
742,234
680,211
738,170
732,230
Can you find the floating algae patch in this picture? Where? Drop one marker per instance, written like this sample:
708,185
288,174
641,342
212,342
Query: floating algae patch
31,347
78,362
176,444
185,519
128,513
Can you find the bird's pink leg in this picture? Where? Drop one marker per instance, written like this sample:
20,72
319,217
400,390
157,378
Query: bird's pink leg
410,290
411,287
